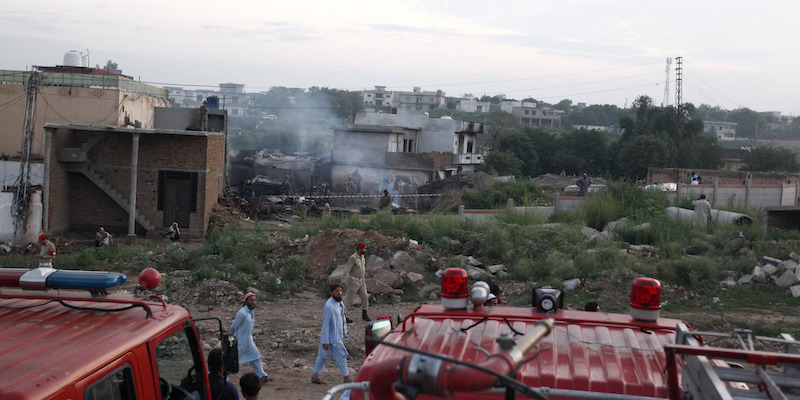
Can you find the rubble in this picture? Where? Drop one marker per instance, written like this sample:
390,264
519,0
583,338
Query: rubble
781,273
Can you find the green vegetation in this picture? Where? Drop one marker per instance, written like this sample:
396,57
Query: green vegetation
689,260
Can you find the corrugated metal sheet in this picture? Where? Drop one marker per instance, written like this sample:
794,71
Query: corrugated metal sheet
608,353
45,345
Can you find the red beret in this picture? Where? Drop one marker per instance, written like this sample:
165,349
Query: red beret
42,237
361,245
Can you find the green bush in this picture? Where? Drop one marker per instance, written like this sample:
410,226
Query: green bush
522,191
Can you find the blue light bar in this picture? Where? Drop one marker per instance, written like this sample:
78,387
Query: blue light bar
86,280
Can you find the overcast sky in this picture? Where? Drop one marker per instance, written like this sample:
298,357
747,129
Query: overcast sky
735,53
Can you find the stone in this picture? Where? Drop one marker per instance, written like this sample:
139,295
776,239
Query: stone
377,287
475,273
253,290
746,279
404,262
374,263
789,264
339,275
453,245
729,281
415,278
388,277
769,260
496,268
794,256
431,287
769,269
571,284
433,296
588,232
795,291
786,280
474,261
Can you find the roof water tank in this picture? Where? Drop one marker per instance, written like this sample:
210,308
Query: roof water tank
73,58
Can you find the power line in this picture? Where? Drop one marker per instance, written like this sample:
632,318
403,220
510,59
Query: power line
738,104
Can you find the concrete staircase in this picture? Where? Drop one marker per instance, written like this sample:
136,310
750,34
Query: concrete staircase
90,172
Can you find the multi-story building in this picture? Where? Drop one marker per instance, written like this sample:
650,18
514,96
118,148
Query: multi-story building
419,99
379,97
472,105
229,96
94,136
529,114
722,129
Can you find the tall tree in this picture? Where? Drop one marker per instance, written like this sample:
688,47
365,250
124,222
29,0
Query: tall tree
771,159
749,122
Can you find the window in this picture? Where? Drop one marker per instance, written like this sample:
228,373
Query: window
527,112
177,369
408,145
118,385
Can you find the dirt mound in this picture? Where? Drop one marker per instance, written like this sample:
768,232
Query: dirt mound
330,248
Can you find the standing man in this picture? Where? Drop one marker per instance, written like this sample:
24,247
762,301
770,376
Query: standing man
220,387
386,200
583,185
204,116
326,209
242,328
331,338
702,211
47,252
355,271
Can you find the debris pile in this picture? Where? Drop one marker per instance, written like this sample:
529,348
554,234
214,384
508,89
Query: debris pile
782,273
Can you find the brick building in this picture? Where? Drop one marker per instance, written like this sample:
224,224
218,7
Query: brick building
178,176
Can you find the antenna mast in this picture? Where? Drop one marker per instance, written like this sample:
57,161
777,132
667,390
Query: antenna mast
679,115
666,83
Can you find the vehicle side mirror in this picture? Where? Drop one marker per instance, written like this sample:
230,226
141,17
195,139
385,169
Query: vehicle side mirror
230,354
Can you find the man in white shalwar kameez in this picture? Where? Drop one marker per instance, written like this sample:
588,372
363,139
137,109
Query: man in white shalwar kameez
242,328
334,332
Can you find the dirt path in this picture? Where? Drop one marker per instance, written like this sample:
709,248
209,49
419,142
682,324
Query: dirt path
287,334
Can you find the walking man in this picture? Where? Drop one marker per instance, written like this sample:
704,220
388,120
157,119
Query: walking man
702,211
331,338
355,271
242,328
386,200
47,252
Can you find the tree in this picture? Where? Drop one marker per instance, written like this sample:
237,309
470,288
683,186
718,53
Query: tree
513,153
582,151
709,113
110,66
771,159
749,122
564,105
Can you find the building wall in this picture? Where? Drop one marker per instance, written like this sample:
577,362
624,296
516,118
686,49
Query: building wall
70,105
88,206
367,148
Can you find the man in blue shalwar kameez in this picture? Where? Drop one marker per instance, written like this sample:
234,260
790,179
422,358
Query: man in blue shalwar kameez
242,328
331,339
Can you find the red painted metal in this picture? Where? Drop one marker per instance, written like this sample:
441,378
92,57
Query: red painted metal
610,353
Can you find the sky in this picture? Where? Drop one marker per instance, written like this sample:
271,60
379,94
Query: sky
734,53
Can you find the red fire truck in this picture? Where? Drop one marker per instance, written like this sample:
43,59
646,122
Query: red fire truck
63,337
463,350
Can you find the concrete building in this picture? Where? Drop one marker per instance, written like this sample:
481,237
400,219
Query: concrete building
722,129
229,96
91,172
419,99
72,95
472,105
87,125
529,114
379,97
443,136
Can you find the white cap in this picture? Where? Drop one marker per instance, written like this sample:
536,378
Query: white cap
491,296
302,199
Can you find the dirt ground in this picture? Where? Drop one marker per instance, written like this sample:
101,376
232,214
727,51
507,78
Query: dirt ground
287,334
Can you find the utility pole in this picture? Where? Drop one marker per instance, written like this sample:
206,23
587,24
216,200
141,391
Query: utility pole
666,83
20,207
679,114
